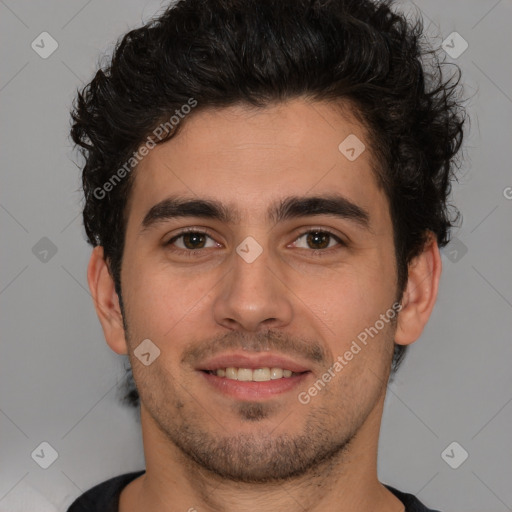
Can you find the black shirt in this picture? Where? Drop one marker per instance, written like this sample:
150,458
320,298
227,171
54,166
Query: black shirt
105,496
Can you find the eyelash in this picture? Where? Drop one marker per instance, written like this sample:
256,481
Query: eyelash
197,252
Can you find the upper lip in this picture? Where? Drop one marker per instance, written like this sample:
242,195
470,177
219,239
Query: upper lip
257,360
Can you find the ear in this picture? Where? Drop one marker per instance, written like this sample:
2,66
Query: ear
106,301
420,293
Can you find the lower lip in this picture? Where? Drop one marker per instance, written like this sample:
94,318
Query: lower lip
250,390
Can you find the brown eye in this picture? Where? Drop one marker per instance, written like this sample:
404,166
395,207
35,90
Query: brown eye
191,240
194,240
318,239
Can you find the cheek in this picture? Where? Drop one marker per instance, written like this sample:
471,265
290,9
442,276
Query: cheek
160,299
347,299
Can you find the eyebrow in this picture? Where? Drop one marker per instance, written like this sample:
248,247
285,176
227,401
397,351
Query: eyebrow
284,209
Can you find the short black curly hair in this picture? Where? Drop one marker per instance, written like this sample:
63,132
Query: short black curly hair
226,52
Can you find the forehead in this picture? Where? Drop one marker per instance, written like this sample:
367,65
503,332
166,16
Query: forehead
247,157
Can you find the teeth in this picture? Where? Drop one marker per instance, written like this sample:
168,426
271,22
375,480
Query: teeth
276,373
231,373
257,375
244,374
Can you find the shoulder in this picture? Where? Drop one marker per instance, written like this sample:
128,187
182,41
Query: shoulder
412,504
103,497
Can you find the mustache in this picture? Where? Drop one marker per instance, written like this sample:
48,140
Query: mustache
267,341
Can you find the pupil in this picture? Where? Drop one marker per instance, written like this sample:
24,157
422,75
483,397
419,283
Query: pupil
317,237
190,239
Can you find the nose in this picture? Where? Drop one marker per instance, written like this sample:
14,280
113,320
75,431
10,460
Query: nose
253,296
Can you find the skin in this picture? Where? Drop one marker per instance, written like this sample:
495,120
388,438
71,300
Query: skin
212,452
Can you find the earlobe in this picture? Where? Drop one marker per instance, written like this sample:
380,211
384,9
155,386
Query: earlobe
106,301
420,293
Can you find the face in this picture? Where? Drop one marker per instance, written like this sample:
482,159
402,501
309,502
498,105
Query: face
262,277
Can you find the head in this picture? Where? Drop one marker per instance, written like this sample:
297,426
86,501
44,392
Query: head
247,103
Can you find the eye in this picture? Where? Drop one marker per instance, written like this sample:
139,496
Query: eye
318,239
189,241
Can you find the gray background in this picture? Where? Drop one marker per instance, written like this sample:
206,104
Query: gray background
58,378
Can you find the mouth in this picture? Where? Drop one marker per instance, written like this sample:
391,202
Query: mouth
253,375
251,378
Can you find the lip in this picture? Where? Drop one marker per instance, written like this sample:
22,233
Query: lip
250,390
253,361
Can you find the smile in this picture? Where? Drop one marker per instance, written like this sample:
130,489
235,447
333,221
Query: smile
255,375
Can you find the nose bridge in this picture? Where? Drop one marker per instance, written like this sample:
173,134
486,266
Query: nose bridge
251,294
251,274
